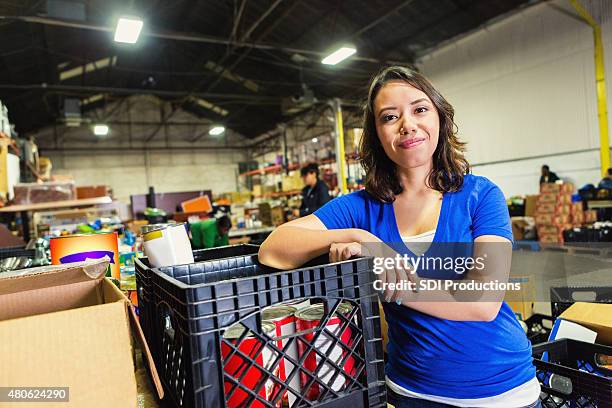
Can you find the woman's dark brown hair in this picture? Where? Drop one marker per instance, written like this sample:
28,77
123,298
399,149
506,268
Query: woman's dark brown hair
449,164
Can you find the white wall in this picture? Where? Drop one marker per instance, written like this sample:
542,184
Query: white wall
524,94
132,172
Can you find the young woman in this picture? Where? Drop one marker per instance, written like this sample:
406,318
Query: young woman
418,189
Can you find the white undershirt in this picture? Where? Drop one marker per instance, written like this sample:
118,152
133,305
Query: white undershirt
521,396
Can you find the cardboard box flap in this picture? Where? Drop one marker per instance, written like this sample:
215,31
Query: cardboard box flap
595,316
137,330
50,300
45,277
85,349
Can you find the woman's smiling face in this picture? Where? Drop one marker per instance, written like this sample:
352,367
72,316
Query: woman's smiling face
407,124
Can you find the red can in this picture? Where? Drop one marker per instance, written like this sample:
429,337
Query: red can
283,318
308,319
257,351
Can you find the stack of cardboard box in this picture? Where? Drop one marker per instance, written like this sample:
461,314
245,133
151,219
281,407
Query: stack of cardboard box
590,216
292,182
555,212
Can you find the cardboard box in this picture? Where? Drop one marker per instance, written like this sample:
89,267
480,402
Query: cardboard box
521,302
519,225
590,216
594,316
278,215
550,188
240,198
544,219
548,198
566,188
561,220
68,326
578,218
576,208
292,182
93,192
196,205
34,193
546,208
530,205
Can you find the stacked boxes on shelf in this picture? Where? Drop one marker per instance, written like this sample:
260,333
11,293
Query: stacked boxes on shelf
555,212
271,215
292,182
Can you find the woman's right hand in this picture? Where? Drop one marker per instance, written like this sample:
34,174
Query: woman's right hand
341,251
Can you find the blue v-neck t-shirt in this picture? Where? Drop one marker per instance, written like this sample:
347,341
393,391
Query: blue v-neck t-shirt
433,356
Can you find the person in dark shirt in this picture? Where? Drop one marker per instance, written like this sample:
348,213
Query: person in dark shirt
547,175
315,193
606,182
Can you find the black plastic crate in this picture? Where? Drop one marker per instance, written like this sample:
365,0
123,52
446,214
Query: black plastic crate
539,327
563,297
570,373
197,364
143,277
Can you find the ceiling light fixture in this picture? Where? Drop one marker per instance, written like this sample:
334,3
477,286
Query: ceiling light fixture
338,55
315,140
128,30
100,130
216,131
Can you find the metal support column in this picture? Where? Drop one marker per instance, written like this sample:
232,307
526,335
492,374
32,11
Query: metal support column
340,156
600,80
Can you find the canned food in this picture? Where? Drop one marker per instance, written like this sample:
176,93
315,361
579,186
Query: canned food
283,318
310,318
152,227
234,366
298,304
168,245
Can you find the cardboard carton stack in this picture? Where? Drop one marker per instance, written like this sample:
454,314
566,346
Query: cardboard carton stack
555,212
292,182
590,216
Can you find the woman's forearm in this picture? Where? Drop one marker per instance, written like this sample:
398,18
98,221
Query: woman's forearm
288,247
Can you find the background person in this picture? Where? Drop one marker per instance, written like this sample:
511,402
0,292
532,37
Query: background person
547,175
315,192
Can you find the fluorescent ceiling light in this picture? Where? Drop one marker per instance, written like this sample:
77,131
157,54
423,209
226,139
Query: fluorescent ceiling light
339,55
100,130
128,30
216,131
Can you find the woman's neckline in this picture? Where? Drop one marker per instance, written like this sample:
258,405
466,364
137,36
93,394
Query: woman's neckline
436,238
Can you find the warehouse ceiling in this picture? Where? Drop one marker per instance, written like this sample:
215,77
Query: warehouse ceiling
247,64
